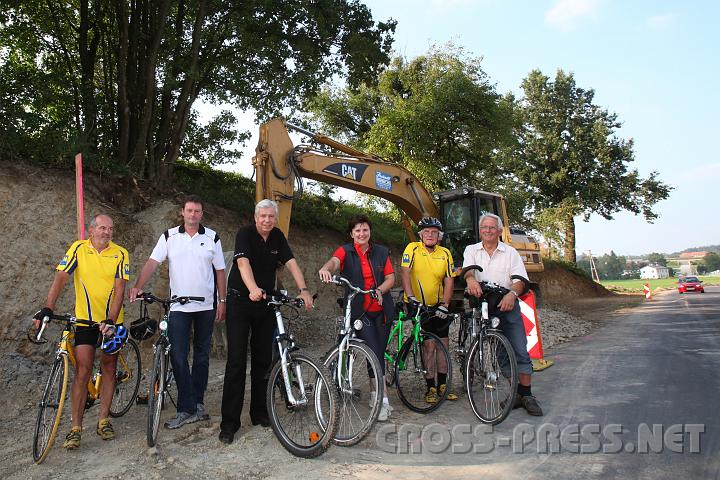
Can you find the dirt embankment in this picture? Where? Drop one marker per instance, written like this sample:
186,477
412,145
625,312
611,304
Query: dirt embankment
38,227
40,224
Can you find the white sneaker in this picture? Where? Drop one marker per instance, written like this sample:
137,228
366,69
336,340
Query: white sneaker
384,412
373,399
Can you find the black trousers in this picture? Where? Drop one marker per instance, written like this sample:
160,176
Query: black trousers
256,323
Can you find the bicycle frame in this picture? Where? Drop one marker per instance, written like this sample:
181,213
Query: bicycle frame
286,343
65,347
348,332
398,330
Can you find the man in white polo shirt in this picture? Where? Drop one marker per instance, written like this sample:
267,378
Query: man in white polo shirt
502,265
197,268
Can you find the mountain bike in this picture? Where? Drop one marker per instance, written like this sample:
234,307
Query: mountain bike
486,357
52,402
301,403
356,373
410,358
161,377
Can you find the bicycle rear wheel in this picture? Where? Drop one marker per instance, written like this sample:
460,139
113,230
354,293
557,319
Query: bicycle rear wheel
127,379
50,409
359,377
412,368
156,395
491,377
306,429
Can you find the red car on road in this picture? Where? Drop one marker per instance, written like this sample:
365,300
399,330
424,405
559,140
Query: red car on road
690,284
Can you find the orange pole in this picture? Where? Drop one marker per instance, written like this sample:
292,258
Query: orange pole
80,209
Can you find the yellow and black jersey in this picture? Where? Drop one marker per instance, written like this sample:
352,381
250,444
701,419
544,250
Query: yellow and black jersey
94,276
428,271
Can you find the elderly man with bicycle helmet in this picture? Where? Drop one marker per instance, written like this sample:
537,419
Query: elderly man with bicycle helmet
502,265
427,273
100,269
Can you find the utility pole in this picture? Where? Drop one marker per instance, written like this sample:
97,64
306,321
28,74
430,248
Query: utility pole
593,269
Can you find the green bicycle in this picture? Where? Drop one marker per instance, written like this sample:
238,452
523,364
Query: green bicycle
417,358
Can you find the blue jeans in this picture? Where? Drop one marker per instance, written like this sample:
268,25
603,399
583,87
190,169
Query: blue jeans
191,385
511,324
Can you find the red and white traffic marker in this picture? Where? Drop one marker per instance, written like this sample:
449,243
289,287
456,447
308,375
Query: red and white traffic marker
648,293
528,311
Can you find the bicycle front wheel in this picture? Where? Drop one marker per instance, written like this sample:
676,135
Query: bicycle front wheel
305,429
127,379
50,409
357,375
417,363
491,377
156,395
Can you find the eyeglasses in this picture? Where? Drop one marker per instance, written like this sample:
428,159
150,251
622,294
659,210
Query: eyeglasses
489,228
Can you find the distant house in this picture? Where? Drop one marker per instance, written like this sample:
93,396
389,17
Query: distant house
654,271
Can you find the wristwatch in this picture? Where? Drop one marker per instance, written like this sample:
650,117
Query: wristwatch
514,293
304,289
222,300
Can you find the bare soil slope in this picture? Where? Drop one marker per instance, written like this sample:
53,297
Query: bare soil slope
38,226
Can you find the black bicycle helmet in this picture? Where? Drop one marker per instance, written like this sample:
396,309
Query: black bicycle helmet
430,222
143,328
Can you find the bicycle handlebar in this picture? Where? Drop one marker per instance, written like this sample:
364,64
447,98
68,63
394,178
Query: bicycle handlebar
150,298
280,297
339,280
67,318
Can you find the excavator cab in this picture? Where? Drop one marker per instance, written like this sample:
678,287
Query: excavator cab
460,210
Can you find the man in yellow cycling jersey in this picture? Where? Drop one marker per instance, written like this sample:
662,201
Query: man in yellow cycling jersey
427,273
100,270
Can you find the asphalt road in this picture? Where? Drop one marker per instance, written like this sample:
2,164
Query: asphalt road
638,398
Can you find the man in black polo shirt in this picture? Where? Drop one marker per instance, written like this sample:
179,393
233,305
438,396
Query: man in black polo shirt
259,250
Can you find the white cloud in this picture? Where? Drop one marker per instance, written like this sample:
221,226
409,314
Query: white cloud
661,22
697,175
566,14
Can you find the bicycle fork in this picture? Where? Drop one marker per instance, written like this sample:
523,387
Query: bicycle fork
283,350
345,367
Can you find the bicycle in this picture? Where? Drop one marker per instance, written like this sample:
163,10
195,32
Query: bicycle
408,358
487,358
161,377
355,371
301,405
52,402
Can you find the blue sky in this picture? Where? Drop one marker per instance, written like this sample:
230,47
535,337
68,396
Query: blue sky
654,63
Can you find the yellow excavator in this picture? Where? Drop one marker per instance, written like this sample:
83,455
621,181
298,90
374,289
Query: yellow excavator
280,166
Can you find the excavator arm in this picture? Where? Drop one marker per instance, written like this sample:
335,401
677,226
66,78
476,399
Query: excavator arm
279,166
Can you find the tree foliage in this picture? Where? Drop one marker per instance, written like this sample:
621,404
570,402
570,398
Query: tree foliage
120,79
711,262
657,259
569,157
437,114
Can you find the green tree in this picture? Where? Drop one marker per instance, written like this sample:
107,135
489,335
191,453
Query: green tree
437,114
657,259
569,157
711,262
122,78
610,267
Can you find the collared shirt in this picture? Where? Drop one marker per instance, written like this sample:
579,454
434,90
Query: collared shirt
264,256
498,267
193,261
94,275
370,304
428,271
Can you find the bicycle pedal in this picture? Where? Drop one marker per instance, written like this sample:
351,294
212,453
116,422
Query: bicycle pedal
142,399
